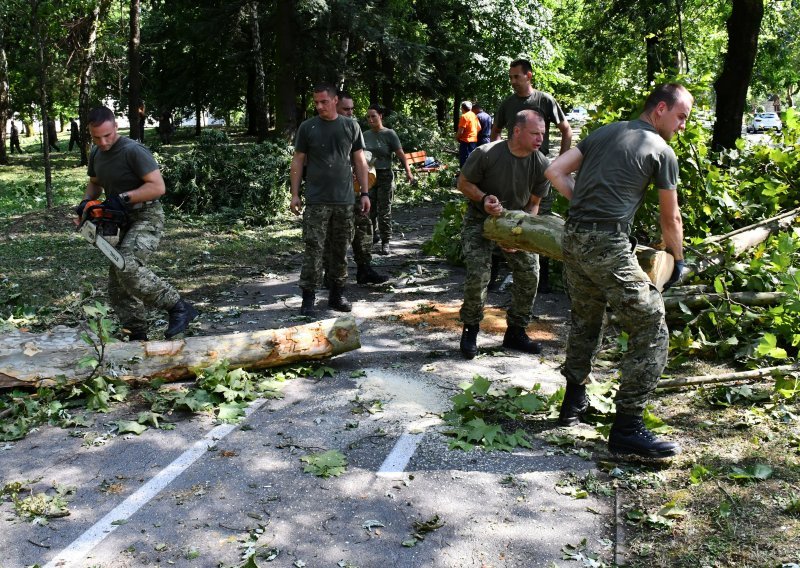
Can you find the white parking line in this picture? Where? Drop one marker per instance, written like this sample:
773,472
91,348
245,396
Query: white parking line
401,454
77,551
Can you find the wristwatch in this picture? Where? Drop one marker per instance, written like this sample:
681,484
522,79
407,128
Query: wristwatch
364,194
126,199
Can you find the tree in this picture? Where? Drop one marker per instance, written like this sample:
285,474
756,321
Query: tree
260,107
731,86
134,74
4,98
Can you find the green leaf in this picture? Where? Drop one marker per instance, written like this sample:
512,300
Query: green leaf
326,464
756,472
231,411
129,426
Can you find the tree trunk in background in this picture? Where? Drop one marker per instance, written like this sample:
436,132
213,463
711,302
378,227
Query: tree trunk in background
387,89
286,108
134,71
250,105
260,99
198,119
5,113
36,28
441,112
85,75
731,86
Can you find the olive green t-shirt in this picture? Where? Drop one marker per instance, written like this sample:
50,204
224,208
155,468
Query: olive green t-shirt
495,170
539,101
619,162
382,144
121,167
328,146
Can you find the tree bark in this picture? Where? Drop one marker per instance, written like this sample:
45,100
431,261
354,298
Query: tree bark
673,301
36,26
134,71
29,359
5,109
286,108
731,86
85,75
260,106
542,234
779,371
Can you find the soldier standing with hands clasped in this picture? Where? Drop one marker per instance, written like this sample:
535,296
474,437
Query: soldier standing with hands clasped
128,174
616,164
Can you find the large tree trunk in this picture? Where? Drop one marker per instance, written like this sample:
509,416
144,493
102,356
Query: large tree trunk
674,300
731,86
260,106
286,108
85,75
542,234
5,113
29,359
42,71
134,72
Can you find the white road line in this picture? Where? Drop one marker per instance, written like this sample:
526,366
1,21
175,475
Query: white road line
76,552
401,454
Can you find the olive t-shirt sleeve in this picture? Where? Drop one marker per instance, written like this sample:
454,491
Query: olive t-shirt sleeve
140,160
301,139
474,167
542,184
394,141
667,175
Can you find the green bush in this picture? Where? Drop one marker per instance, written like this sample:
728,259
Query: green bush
446,239
216,175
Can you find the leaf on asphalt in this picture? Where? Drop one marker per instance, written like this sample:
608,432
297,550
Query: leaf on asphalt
160,546
326,464
129,426
369,525
410,542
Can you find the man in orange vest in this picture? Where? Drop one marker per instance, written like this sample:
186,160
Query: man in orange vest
467,135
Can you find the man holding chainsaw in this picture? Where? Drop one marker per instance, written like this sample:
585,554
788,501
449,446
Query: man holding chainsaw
132,216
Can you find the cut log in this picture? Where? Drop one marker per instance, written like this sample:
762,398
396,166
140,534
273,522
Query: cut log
779,371
29,359
673,302
743,239
542,235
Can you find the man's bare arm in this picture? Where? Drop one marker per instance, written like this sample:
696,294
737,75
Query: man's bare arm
560,171
671,222
566,136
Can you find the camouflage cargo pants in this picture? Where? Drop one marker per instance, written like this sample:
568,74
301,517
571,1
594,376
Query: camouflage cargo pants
133,290
321,222
362,239
478,259
381,195
601,268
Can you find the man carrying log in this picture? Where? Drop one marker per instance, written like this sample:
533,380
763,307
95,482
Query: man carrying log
502,174
128,174
617,164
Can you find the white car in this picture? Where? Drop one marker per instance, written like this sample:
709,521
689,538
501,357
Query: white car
765,121
578,114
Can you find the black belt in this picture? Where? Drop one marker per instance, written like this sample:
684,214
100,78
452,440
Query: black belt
600,226
142,205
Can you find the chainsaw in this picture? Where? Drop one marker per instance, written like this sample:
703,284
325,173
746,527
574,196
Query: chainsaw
101,227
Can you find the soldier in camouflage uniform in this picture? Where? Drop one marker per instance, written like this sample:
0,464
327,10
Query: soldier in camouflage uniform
362,226
128,174
504,174
328,143
616,164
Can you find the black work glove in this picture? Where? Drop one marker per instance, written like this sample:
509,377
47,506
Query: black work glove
114,203
80,207
679,274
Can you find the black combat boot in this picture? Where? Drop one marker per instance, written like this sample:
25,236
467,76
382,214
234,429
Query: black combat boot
367,275
574,406
385,248
307,307
179,317
516,338
469,341
630,436
336,301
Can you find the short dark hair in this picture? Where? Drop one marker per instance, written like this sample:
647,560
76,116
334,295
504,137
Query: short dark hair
477,106
668,93
377,108
326,88
521,118
524,63
343,95
99,115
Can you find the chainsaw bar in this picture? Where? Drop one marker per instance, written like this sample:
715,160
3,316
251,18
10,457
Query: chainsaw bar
88,231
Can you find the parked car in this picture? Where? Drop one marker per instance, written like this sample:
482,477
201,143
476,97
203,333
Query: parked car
765,121
578,114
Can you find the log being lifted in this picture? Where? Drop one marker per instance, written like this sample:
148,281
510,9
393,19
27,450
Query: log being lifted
542,235
36,359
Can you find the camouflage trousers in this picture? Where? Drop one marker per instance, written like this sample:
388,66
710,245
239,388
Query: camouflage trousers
362,239
331,225
602,269
381,195
133,290
478,259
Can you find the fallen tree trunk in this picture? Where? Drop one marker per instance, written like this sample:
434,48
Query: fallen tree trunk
779,371
673,302
745,238
542,235
29,359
